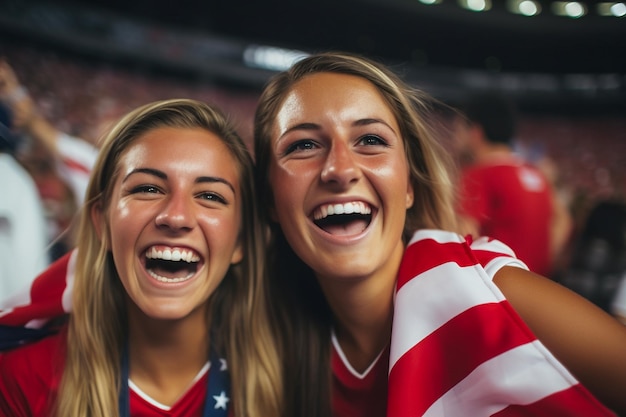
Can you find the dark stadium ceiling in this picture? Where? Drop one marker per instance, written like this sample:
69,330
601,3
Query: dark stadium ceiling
548,62
409,31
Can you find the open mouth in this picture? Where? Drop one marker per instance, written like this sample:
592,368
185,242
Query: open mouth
343,219
171,265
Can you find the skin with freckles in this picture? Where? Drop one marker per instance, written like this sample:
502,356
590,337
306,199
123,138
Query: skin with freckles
181,193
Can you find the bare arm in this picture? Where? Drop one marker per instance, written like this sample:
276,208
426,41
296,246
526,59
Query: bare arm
26,118
585,339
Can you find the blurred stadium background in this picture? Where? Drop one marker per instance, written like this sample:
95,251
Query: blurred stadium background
86,62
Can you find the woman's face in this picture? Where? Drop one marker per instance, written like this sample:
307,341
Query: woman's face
340,177
173,219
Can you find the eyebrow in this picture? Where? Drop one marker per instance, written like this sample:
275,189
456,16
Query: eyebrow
315,126
162,175
371,121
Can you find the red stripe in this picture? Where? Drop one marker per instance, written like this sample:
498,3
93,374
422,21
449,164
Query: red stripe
46,296
573,402
448,355
76,166
431,254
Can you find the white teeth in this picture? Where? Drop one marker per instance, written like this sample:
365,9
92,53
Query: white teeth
169,280
171,254
357,207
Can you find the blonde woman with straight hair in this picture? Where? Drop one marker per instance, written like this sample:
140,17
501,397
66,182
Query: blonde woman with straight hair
169,300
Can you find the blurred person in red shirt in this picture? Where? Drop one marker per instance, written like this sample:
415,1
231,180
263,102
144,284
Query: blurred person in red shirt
501,194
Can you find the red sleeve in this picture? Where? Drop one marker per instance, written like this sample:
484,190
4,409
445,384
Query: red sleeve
46,296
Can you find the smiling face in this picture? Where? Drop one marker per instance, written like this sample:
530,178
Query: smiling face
340,177
173,219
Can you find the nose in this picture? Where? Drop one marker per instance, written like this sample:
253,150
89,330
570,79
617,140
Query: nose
177,213
340,166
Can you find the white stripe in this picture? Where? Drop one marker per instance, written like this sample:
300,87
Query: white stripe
508,258
453,290
492,245
440,236
82,153
481,243
496,264
346,363
520,376
66,300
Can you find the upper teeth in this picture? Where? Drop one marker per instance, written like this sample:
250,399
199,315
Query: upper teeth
172,254
346,208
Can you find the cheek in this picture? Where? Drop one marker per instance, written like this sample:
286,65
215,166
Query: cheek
388,177
121,222
282,188
391,171
287,197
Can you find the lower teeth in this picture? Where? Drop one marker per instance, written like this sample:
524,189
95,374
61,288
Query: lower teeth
169,280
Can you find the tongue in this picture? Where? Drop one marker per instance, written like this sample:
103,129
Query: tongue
346,229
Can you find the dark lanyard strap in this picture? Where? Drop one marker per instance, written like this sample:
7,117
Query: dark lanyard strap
217,399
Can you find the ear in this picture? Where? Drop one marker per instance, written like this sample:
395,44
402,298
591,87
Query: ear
410,195
99,222
237,253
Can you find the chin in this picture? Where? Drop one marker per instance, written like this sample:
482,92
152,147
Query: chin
169,313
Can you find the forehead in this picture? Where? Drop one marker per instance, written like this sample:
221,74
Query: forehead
190,150
335,97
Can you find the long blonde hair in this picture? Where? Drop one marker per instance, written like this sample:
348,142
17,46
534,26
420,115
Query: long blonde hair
301,308
238,311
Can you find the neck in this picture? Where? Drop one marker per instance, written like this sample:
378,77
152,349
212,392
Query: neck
363,312
166,355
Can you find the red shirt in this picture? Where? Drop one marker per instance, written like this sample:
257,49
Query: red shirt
359,395
30,375
512,202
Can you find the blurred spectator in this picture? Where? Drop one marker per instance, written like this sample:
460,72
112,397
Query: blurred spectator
501,194
598,263
59,163
23,237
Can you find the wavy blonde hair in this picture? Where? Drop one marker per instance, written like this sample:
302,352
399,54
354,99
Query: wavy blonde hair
237,313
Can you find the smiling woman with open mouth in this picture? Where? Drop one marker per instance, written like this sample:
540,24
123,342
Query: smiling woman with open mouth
168,302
